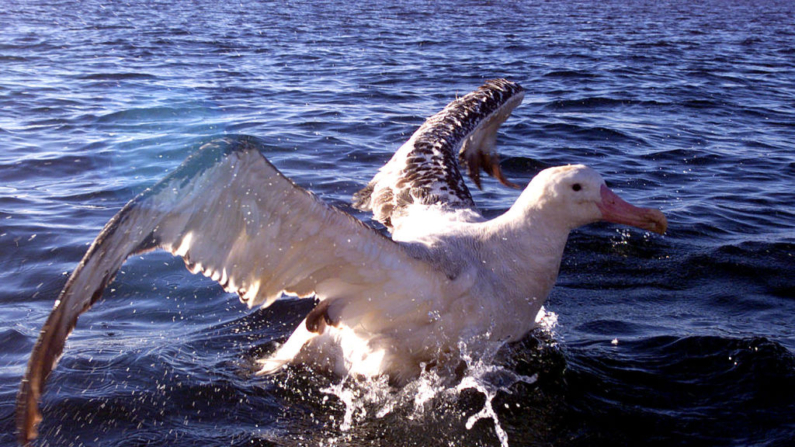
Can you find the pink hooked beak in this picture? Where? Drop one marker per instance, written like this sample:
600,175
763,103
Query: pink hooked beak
615,209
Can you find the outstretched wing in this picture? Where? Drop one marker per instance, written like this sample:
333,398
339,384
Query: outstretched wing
233,217
425,170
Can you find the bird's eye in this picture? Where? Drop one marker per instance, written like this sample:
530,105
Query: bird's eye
576,187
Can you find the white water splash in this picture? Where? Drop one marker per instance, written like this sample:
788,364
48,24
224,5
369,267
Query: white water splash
490,391
358,396
375,397
489,379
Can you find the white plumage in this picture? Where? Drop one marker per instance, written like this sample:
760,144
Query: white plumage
387,306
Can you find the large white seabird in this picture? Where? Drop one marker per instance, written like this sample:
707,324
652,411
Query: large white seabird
386,306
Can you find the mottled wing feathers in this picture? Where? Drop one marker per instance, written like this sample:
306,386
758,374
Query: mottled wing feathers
425,170
233,217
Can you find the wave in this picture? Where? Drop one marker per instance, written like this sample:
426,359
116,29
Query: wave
684,390
599,102
117,76
571,74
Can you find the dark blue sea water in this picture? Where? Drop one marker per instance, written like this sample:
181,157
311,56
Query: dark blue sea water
684,105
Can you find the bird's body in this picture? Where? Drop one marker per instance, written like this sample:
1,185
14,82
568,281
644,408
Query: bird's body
447,277
485,291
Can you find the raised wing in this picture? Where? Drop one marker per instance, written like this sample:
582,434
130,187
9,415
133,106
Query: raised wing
425,170
233,217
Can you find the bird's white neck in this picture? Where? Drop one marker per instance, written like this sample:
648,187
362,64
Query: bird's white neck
528,242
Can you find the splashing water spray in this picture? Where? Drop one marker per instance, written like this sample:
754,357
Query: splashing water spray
375,397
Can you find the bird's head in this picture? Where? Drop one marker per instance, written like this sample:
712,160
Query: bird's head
577,195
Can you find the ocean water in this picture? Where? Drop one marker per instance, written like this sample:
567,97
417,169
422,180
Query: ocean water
686,339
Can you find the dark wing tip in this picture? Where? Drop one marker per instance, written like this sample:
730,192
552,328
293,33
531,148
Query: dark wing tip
27,414
496,99
52,339
46,352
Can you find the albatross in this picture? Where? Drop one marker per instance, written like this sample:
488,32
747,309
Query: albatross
385,306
